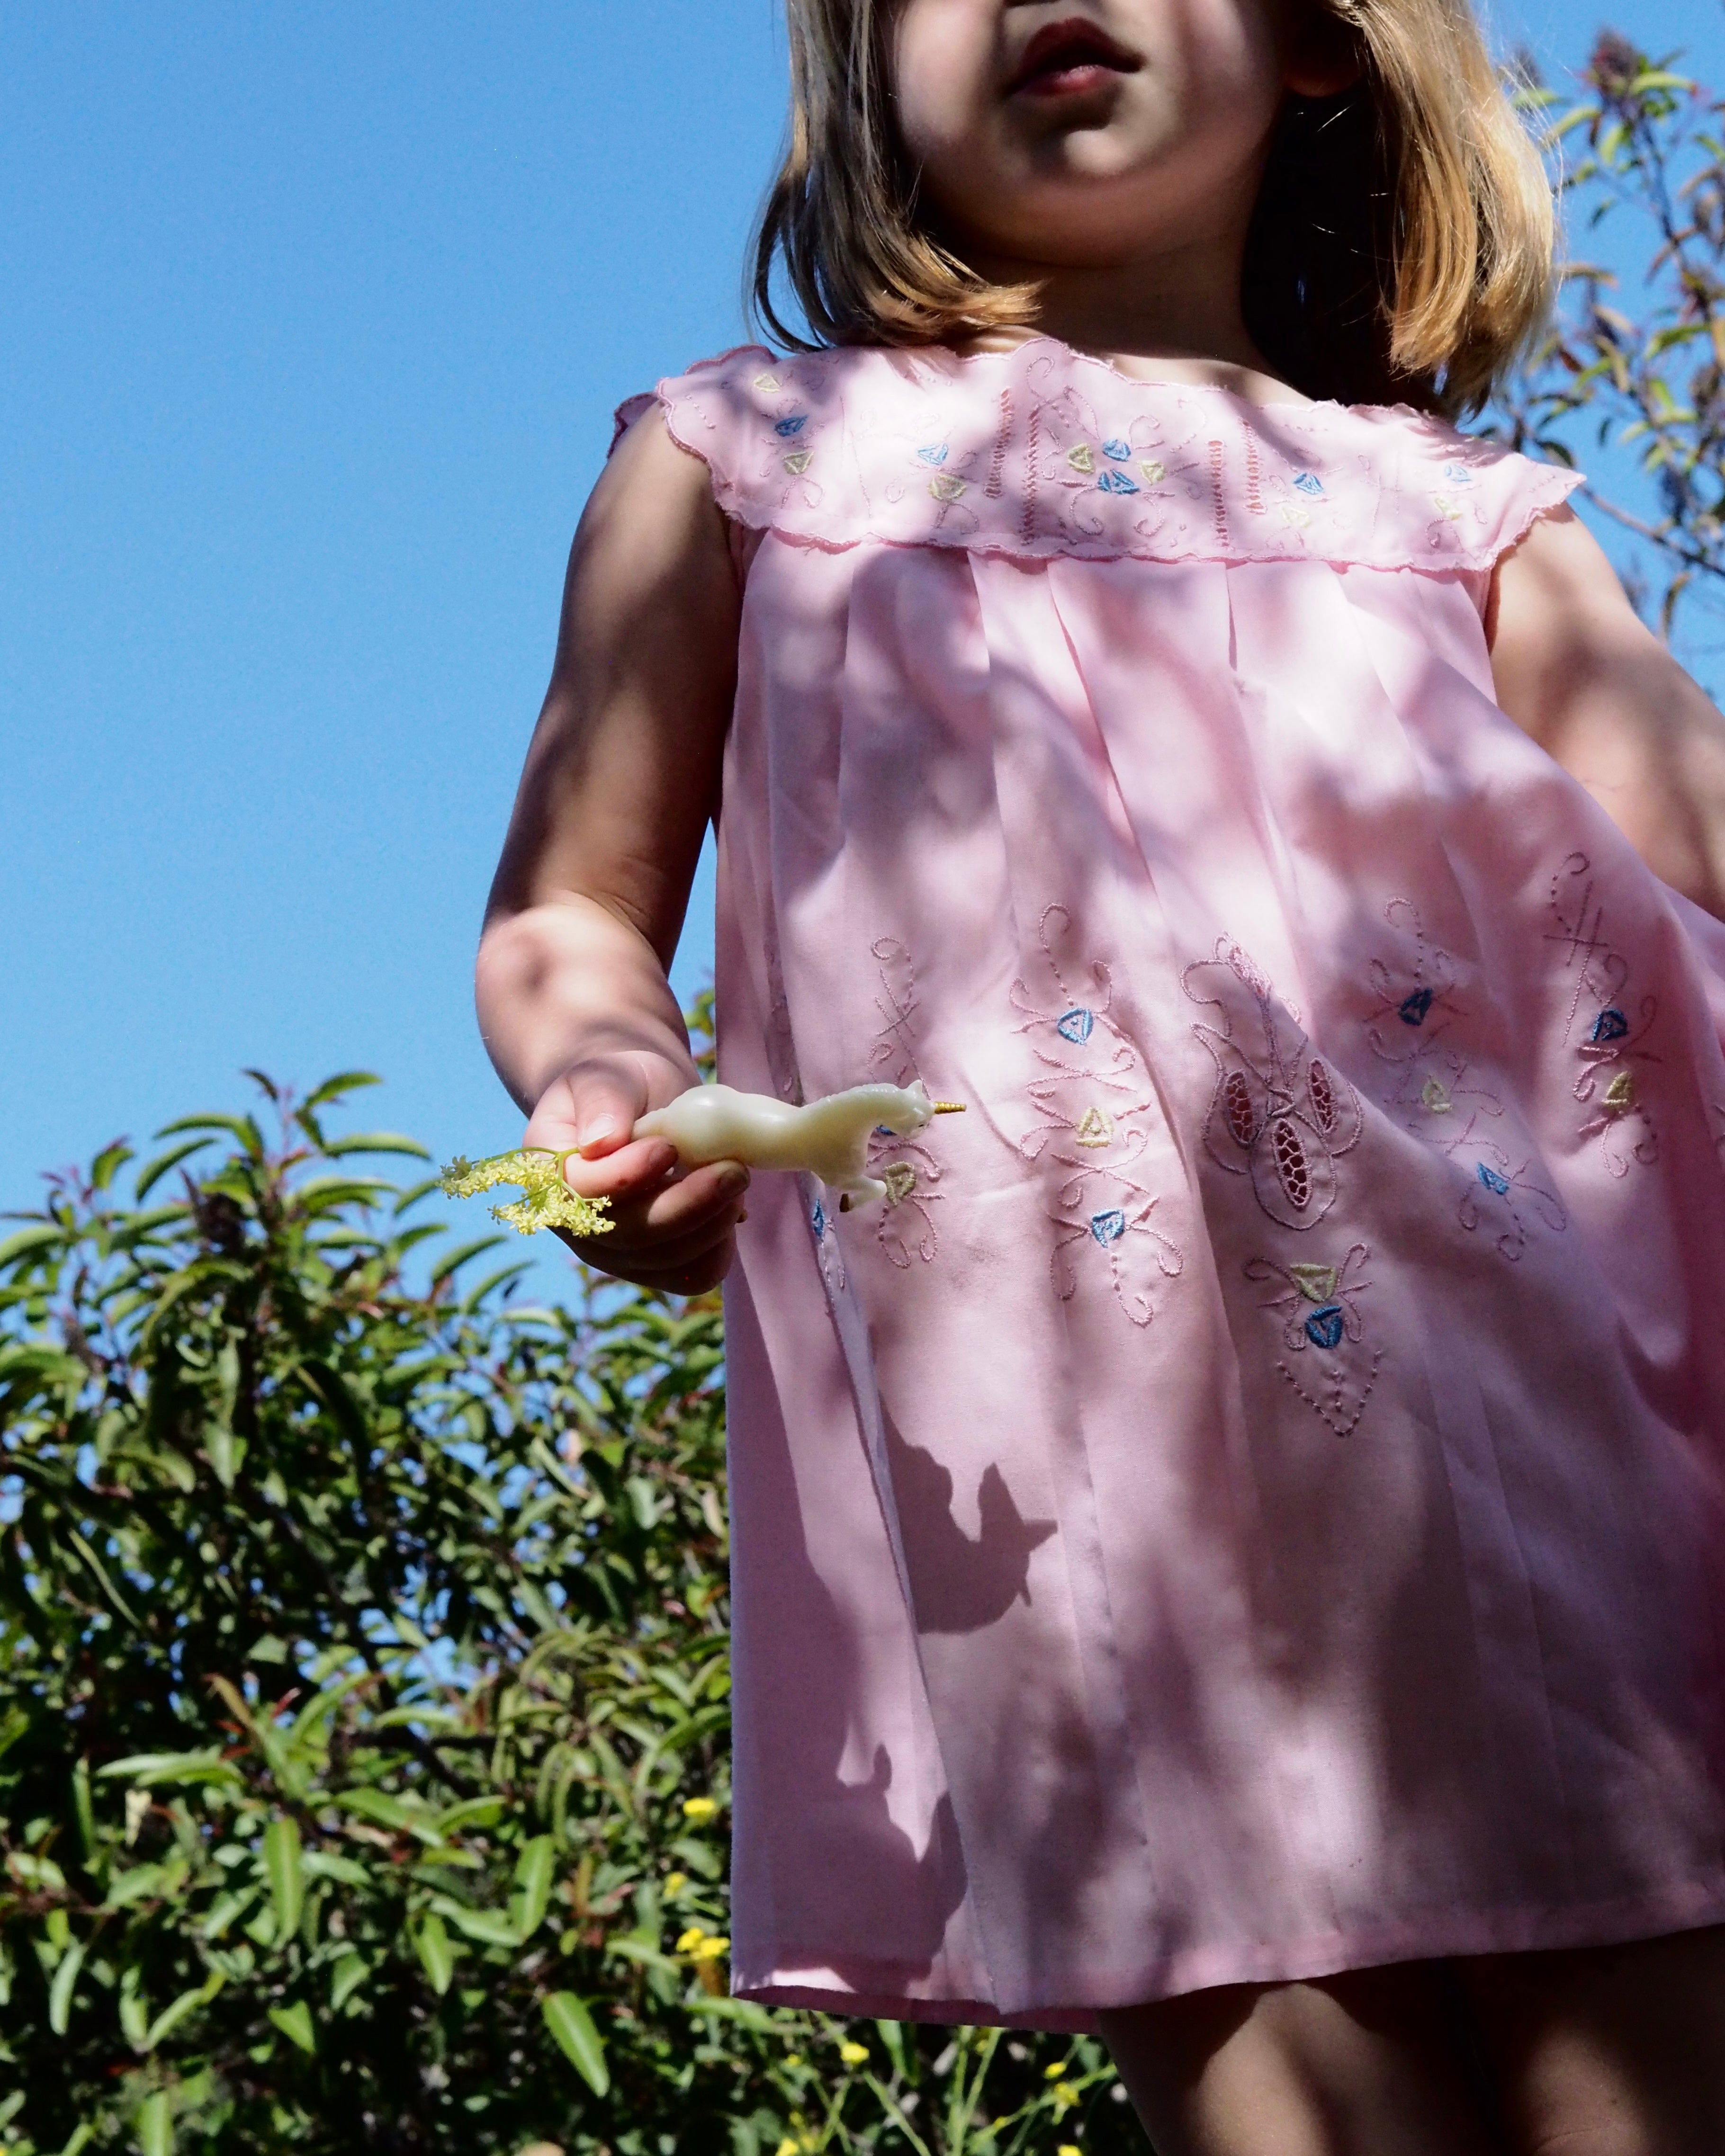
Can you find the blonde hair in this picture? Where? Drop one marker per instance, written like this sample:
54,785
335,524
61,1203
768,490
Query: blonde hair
1402,247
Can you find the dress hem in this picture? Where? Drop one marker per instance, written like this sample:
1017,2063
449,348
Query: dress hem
801,1979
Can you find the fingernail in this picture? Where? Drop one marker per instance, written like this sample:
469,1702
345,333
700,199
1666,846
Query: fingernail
732,1178
596,1133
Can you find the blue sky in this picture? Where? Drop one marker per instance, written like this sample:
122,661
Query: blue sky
313,321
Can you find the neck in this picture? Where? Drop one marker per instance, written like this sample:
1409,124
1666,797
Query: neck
1175,308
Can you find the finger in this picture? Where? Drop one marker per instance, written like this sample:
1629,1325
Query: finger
695,1277
668,1253
594,1106
682,1204
629,1176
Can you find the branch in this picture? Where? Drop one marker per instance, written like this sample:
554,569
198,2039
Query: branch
1651,533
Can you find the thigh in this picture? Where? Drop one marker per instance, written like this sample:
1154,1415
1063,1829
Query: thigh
1359,2065
1608,2050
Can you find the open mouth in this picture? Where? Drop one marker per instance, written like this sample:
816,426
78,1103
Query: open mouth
1069,59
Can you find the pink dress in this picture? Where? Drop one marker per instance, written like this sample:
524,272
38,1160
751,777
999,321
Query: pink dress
1253,1503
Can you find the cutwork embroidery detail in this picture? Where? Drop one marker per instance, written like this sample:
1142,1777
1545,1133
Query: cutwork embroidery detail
1317,1307
1280,1114
1100,1207
1607,1040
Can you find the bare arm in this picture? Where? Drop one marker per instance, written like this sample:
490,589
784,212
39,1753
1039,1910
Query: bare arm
1577,671
621,777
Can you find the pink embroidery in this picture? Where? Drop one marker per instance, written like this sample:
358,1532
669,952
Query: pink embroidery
1318,1308
1607,1029
910,1170
1090,1100
1281,1114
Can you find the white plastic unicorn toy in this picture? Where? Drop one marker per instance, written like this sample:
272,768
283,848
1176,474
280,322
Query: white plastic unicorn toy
828,1138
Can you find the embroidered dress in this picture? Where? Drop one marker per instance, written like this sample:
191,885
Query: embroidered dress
1252,1503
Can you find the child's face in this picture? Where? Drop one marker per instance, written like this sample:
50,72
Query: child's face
1087,133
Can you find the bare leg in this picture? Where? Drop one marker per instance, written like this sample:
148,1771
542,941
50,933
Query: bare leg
1359,2065
1608,2050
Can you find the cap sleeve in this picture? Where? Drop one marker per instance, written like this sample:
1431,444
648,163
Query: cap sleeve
1043,451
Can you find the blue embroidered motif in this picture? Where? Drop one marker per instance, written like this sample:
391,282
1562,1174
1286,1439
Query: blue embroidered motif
817,1220
1077,1027
1458,474
1493,1181
1416,1008
934,453
1108,1227
1325,1328
1120,451
1309,483
1113,482
1611,1025
786,427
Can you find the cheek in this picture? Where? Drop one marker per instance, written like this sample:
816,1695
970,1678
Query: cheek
943,60
1220,63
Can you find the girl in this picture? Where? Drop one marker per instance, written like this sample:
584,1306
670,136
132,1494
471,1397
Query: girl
1233,1551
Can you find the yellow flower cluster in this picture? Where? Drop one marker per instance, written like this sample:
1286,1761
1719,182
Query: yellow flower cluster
546,1200
701,1946
700,1809
854,2055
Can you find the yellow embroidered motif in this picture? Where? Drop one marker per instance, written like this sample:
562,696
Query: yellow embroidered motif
768,384
1447,508
1094,1128
1621,1093
1081,458
1316,1283
945,486
1154,470
1291,513
1435,1098
900,1180
799,461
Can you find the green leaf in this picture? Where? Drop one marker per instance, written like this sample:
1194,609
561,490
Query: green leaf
286,1875
156,2124
182,2010
66,1982
488,1928
376,1141
569,2022
453,1260
30,1240
436,1954
108,1163
344,1081
295,2023
532,1877
186,1769
350,1973
165,1163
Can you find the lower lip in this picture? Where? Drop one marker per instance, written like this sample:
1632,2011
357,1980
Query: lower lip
1071,82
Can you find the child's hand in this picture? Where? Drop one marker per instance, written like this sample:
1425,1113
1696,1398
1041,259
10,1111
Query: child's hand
676,1228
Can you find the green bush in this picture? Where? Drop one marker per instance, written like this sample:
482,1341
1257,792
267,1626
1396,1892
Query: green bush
363,1734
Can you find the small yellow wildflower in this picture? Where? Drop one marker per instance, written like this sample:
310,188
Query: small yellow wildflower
702,1946
1069,2148
1055,2071
700,1809
546,1200
854,2055
675,1883
1065,2095
787,2147
793,2058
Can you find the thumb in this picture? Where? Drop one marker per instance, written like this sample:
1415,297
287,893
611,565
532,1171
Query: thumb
592,1107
